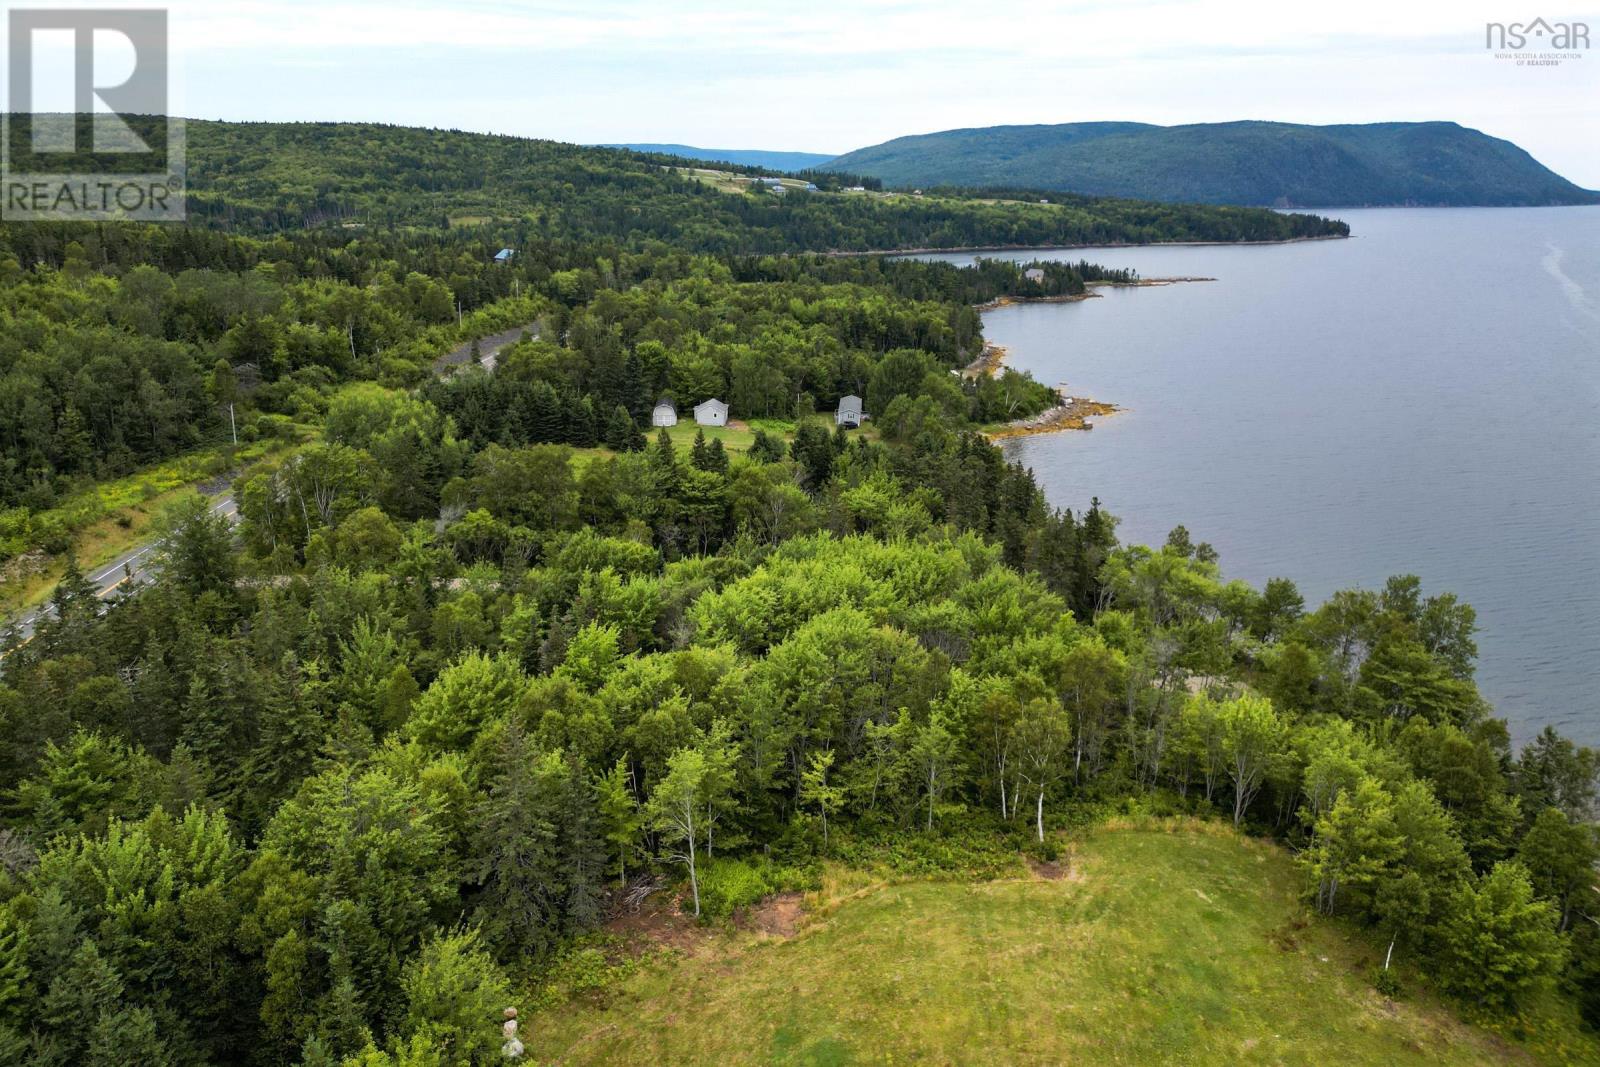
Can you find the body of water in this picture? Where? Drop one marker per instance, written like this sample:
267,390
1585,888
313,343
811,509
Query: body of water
1422,398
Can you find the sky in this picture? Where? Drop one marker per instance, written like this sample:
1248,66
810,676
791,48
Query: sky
832,75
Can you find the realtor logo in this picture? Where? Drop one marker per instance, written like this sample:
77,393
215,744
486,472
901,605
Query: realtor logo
1539,43
86,131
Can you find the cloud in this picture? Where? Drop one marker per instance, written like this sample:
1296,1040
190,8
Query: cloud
830,74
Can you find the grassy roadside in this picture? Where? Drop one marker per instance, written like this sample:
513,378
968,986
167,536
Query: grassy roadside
106,520
1185,943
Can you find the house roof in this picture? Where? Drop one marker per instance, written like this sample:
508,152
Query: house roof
850,403
709,403
505,253
664,402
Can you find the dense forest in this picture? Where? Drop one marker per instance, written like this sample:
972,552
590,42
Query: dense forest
278,176
1279,163
128,345
338,784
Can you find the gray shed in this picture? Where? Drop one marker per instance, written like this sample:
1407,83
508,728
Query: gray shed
849,414
1034,274
711,413
665,413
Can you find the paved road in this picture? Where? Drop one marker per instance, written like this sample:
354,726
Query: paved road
136,566
128,569
488,349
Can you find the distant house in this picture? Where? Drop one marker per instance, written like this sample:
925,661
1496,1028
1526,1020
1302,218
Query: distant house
856,189
665,413
849,414
711,413
505,255
1034,274
811,187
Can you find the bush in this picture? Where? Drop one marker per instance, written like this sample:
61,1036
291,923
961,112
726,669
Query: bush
1386,982
727,884
583,969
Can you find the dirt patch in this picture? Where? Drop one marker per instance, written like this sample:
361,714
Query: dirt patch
1286,936
1065,869
780,915
658,922
1051,870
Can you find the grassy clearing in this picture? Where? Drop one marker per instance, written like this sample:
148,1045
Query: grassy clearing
1156,947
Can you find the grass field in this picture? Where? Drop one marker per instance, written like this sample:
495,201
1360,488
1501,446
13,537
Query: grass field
1156,947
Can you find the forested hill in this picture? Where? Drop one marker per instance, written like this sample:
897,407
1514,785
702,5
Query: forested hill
271,177
1274,163
745,157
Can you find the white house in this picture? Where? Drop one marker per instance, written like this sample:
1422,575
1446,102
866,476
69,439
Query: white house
665,413
849,414
711,413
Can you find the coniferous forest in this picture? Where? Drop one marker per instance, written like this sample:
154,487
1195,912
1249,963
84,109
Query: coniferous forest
486,652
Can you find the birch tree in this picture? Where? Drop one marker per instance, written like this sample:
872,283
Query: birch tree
1043,740
675,812
1252,734
815,789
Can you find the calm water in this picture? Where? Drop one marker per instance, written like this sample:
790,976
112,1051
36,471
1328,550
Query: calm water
1422,398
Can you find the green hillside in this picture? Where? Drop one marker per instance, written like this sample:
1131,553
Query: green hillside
275,177
1271,163
1181,947
744,157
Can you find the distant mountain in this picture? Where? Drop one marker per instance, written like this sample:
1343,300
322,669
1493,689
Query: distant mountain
745,157
1259,163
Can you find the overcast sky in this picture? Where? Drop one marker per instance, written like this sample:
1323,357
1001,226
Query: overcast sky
831,75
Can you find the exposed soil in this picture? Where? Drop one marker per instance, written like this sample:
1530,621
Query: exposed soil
661,922
780,915
658,923
1051,870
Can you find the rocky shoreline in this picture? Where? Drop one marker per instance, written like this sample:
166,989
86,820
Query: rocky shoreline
1073,413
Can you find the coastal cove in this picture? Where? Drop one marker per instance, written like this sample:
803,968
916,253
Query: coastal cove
1421,398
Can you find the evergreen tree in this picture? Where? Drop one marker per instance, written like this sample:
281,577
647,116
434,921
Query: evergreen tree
515,850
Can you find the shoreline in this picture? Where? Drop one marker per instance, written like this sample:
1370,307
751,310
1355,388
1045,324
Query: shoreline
1075,247
1009,300
1073,413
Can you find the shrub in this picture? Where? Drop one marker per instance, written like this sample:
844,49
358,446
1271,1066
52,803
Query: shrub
727,884
1387,983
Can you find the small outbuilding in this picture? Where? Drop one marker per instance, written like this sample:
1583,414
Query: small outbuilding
1034,274
849,414
711,413
665,413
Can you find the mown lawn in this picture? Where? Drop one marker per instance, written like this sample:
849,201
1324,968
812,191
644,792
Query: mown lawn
1158,947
